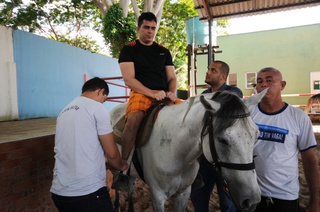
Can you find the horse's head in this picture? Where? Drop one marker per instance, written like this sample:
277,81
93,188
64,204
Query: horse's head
229,135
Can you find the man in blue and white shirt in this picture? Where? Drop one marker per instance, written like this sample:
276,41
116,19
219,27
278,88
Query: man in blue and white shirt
284,132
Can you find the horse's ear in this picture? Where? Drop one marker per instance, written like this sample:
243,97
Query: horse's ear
255,99
211,105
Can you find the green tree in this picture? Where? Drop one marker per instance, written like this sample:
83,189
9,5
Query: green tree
69,20
118,30
172,34
66,21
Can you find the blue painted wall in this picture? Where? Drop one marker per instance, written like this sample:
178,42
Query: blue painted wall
50,74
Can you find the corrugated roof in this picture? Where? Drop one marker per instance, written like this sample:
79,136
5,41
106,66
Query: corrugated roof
223,9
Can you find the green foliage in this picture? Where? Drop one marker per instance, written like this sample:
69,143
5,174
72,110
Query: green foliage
82,42
118,30
172,34
69,21
64,21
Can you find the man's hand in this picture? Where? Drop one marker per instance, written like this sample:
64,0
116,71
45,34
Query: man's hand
171,96
159,95
124,166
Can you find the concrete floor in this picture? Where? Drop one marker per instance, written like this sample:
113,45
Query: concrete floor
25,129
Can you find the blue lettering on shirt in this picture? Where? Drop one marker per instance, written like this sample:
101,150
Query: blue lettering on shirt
271,133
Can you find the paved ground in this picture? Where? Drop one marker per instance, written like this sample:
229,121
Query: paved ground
25,129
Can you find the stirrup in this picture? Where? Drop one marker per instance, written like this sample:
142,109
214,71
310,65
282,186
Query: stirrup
120,182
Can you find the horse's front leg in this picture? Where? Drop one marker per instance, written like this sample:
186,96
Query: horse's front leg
180,200
158,200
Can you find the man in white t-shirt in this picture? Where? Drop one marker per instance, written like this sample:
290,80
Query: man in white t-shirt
285,131
83,142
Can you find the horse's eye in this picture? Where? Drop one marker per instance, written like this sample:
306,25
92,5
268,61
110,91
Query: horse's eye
223,141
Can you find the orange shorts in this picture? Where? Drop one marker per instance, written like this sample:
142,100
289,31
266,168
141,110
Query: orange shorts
138,101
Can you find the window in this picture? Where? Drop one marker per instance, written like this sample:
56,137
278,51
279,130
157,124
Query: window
232,80
250,79
316,85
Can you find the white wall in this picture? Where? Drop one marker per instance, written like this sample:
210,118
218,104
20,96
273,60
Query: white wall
8,81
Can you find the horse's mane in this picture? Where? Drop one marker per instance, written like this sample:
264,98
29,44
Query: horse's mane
231,109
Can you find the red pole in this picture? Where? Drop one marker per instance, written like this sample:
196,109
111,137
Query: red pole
86,77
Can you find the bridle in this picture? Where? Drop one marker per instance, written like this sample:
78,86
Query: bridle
217,163
208,128
216,160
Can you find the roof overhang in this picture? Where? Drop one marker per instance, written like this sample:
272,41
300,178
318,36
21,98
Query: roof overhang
224,9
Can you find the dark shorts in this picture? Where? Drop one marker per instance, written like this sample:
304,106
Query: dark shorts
96,202
277,205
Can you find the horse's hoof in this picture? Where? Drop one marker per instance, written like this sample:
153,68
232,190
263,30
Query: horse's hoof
120,182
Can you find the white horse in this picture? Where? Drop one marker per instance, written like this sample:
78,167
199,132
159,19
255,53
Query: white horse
217,125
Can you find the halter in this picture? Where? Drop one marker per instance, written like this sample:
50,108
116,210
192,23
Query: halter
216,160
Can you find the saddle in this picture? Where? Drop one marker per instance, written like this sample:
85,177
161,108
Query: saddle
145,126
143,135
